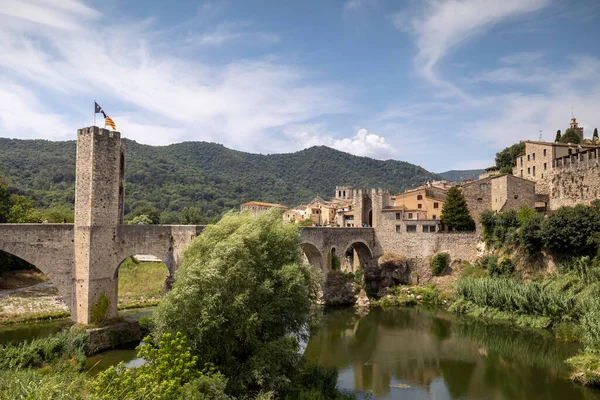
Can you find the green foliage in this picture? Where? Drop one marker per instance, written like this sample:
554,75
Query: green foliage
58,213
22,210
99,310
570,136
306,222
455,212
514,296
506,170
568,230
40,384
141,220
508,156
241,296
206,177
558,136
4,202
67,345
587,367
170,371
487,219
595,136
439,262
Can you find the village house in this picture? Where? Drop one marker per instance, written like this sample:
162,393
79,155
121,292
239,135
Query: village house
256,207
422,203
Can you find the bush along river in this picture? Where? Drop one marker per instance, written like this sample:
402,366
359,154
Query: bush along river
416,353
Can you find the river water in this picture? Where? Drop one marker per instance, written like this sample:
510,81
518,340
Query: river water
416,354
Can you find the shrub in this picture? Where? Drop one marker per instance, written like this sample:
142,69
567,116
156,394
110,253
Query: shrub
439,262
487,220
170,371
566,231
507,267
530,235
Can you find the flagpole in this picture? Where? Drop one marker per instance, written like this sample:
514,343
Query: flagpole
94,112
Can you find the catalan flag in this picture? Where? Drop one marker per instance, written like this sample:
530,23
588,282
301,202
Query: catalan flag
107,120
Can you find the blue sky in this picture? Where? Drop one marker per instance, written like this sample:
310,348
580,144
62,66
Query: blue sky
444,84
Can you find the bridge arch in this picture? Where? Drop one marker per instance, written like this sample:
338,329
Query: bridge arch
142,278
360,253
59,281
314,256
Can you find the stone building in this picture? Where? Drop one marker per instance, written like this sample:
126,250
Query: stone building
575,179
256,207
423,203
498,193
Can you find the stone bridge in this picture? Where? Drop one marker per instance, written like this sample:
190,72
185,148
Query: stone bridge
82,259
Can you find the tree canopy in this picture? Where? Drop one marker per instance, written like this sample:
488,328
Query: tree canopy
242,296
558,136
455,212
508,156
595,136
570,136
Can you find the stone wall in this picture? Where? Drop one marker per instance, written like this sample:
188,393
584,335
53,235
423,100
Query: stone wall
576,184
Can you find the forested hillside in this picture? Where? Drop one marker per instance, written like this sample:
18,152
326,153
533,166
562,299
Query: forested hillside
461,175
206,177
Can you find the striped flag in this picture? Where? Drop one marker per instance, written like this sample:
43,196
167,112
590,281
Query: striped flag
107,120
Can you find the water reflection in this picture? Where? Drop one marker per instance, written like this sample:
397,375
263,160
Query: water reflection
416,354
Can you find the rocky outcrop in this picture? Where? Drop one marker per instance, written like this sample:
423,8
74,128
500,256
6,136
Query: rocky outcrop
340,289
363,300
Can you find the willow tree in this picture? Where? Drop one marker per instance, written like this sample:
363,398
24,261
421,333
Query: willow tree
243,297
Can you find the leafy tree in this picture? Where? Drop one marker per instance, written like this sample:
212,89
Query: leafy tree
530,235
243,297
595,136
487,219
4,202
455,212
58,214
150,212
142,220
570,136
189,216
22,210
506,170
508,156
558,136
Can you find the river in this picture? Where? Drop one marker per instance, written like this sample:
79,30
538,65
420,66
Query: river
417,354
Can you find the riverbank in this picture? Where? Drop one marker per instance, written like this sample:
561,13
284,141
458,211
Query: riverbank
28,296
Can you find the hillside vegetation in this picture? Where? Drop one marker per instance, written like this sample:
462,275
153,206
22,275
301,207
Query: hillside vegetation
207,178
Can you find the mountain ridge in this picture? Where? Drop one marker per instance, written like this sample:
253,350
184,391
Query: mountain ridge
202,175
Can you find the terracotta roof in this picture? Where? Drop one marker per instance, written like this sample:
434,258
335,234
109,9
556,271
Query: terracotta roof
262,204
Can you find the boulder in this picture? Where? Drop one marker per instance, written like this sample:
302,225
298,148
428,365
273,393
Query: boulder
363,301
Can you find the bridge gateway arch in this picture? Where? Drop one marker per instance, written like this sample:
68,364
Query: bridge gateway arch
82,259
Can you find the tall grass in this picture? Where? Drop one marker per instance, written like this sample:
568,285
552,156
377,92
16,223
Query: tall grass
515,296
69,345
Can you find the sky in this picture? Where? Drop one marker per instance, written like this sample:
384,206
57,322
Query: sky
444,84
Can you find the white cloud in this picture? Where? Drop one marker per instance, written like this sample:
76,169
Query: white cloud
441,26
355,5
362,144
131,70
232,32
522,58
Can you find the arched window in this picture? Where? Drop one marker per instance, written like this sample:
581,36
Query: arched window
420,197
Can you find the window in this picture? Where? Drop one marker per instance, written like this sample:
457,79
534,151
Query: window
420,197
570,151
398,228
411,228
516,196
483,186
528,157
398,215
542,176
544,152
521,173
410,215
528,170
434,217
533,156
534,170
521,161
419,206
436,205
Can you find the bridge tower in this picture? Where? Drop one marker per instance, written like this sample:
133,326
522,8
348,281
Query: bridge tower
99,205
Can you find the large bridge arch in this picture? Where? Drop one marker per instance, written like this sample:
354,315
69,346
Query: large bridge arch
49,247
314,257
